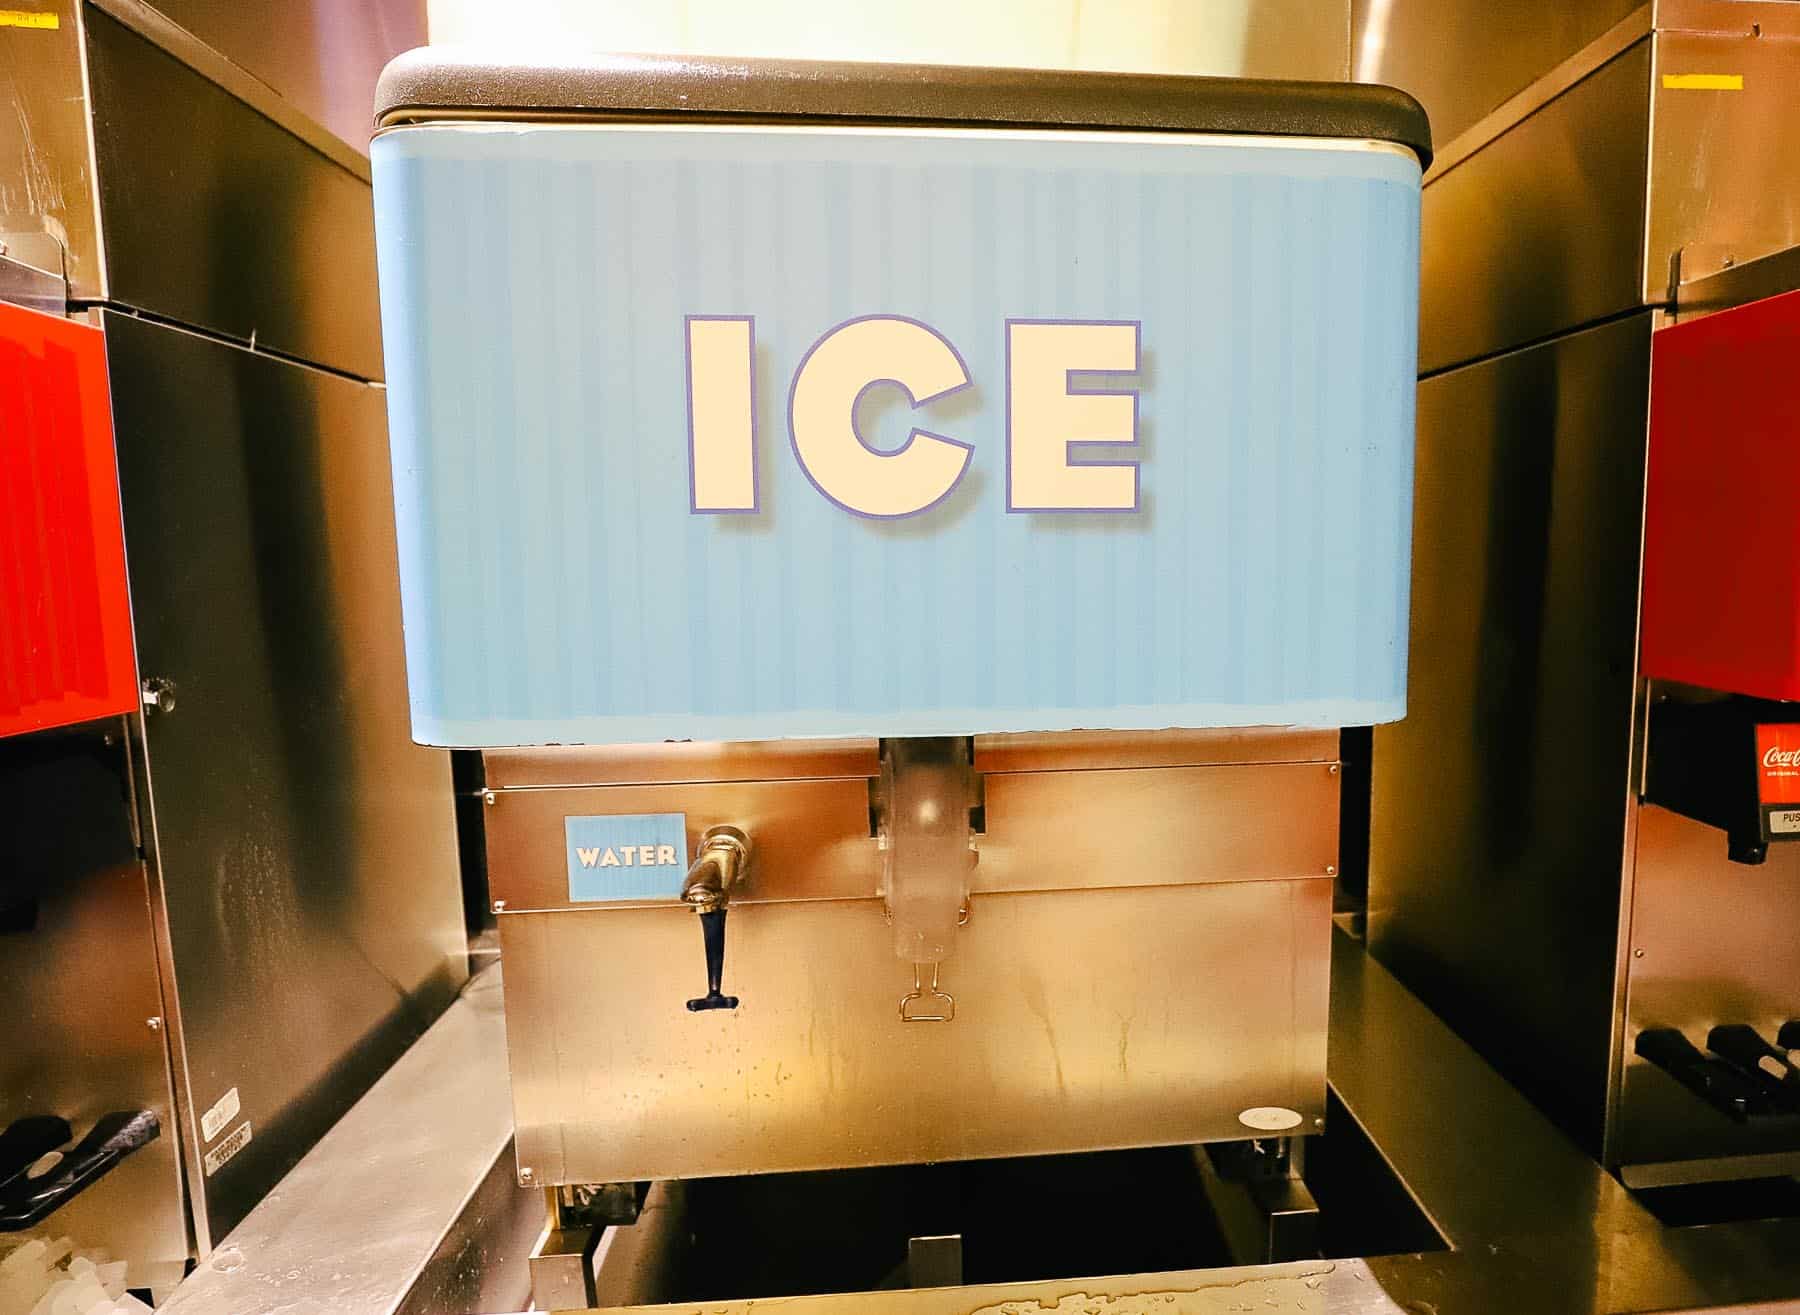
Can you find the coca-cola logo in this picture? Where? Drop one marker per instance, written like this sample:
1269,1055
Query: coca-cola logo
1780,757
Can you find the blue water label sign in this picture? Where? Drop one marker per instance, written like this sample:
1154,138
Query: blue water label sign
626,856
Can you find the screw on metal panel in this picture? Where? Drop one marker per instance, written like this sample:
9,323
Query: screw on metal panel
489,798
1331,869
1637,954
526,1178
1319,1124
499,906
1333,769
154,1024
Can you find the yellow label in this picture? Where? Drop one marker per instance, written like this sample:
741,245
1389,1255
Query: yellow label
1703,82
27,18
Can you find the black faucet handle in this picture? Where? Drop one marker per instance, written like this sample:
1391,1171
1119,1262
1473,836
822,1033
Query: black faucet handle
712,931
1789,1036
1743,1047
1716,1083
25,1201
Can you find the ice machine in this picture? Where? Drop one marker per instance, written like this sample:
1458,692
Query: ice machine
905,541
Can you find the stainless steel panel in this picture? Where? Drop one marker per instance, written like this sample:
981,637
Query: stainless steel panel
1499,805
32,286
562,1269
1086,1019
1136,826
79,992
652,764
1462,60
1503,262
1079,750
248,232
1725,168
1536,1225
1315,1287
781,760
1711,942
46,162
408,1205
322,56
1707,294
305,848
811,838
1045,830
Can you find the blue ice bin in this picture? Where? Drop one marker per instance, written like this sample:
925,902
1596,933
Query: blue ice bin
820,400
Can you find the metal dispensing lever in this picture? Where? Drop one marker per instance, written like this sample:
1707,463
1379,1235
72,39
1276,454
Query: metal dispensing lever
722,862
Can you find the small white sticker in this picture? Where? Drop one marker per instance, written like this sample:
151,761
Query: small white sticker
218,1155
1784,821
224,1110
1270,1118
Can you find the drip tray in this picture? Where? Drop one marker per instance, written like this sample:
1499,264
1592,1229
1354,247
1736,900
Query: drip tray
976,1222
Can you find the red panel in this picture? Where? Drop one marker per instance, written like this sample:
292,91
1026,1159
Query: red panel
65,618
1722,516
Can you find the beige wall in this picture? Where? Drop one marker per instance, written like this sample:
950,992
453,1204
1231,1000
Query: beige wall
1276,38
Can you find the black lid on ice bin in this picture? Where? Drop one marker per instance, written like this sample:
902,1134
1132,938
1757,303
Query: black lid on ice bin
434,84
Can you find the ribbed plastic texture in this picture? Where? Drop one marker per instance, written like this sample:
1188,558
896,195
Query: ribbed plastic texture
535,281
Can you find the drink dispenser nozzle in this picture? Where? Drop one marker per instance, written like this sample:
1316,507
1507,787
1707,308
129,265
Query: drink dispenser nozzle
723,860
927,789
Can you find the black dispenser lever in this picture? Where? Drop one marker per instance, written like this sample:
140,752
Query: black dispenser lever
26,1199
1743,1047
1719,1085
722,862
712,928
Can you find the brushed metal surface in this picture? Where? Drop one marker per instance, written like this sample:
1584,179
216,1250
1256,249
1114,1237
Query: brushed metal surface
1534,1224
1724,174
1596,54
250,232
78,990
1711,942
1463,60
408,1205
1502,261
1045,830
46,158
322,56
777,760
811,838
1064,830
1705,294
304,848
1086,1019
31,286
1499,804
1078,750
652,764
